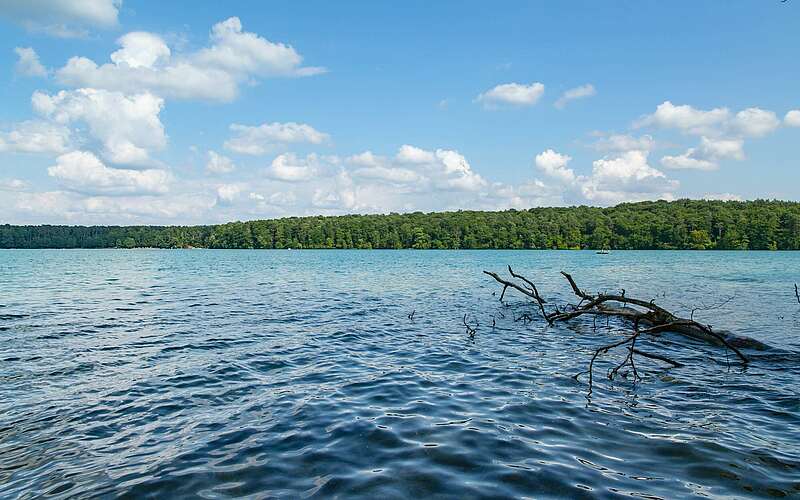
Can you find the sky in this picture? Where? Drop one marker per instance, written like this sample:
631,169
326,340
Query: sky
183,112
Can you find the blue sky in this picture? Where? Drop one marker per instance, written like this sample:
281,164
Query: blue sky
178,112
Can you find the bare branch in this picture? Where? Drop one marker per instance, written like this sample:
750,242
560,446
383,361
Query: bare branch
655,320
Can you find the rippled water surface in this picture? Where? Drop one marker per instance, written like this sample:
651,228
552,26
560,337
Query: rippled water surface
299,373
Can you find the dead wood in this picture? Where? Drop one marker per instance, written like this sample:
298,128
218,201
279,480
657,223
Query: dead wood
647,318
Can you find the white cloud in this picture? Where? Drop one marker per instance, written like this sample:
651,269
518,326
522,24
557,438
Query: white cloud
722,134
379,168
145,63
623,176
219,164
35,136
396,175
228,193
264,138
755,122
422,170
241,52
341,195
792,118
141,50
413,154
512,94
716,149
688,161
128,126
28,63
580,92
626,177
291,168
707,156
62,18
74,208
685,118
750,122
722,197
625,142
83,172
458,173
366,159
13,185
554,165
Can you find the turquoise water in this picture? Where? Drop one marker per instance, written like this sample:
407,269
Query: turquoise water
298,373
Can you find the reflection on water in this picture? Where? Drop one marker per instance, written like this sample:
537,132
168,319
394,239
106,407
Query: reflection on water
293,374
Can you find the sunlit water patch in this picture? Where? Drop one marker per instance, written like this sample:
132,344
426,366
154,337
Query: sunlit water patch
299,373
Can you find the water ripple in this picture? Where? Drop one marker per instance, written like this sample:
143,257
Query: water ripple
300,374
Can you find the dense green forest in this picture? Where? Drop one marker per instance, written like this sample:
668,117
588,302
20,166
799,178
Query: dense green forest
682,224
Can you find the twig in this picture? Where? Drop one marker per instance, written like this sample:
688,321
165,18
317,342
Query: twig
470,330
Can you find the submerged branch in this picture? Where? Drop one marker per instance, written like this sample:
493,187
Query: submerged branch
654,318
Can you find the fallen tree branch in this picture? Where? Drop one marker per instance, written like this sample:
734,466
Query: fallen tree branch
653,317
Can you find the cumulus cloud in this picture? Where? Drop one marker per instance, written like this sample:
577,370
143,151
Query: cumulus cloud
626,177
219,164
554,165
624,142
128,126
750,122
792,118
145,62
240,52
370,166
622,176
580,92
512,94
83,172
28,63
62,18
707,156
259,140
718,148
35,136
755,122
688,161
227,193
685,118
341,195
722,133
291,168
413,154
76,208
140,49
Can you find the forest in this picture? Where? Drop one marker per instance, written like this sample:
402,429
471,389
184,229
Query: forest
681,224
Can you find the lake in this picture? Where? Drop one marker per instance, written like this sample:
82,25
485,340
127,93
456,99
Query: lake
294,374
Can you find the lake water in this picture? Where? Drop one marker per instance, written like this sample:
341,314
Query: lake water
299,373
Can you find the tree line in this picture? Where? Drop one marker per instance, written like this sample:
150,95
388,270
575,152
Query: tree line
682,224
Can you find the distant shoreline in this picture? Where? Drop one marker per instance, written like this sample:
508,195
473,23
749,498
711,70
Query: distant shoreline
570,250
660,225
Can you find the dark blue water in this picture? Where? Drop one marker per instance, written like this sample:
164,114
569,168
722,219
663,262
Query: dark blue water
298,373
